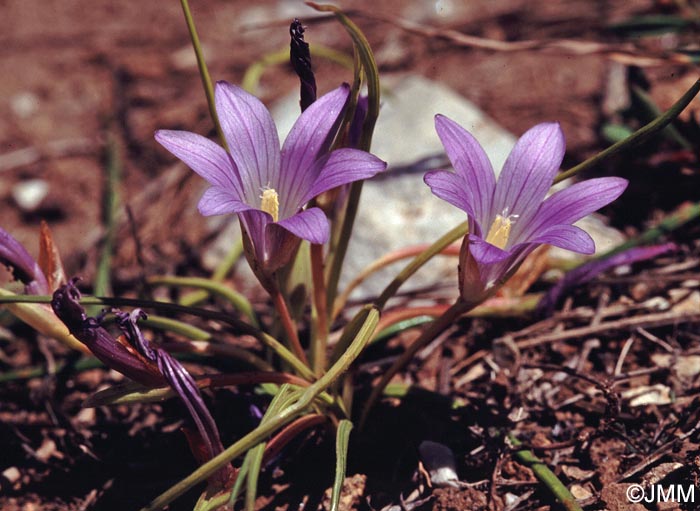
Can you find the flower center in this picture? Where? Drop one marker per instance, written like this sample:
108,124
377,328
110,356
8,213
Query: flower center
500,229
270,203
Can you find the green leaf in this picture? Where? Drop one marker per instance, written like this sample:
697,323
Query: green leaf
342,438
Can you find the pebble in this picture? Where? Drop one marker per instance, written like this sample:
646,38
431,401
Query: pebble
24,104
30,193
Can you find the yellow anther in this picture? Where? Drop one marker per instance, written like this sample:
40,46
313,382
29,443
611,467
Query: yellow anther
500,230
270,203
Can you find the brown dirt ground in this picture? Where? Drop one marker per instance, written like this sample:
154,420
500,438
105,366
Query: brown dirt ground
75,75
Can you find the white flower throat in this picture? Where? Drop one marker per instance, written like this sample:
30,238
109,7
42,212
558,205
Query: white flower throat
500,229
270,203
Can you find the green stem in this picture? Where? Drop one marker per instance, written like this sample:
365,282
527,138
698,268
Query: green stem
546,476
638,136
203,71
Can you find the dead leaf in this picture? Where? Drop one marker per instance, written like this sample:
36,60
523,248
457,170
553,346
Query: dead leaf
50,259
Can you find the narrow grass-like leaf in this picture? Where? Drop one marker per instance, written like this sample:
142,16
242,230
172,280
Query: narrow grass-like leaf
240,326
651,111
239,302
652,25
102,282
638,136
252,76
546,476
342,438
203,70
371,73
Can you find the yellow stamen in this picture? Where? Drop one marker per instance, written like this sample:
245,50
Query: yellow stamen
500,230
270,203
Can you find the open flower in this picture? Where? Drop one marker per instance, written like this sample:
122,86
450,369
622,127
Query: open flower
510,217
268,188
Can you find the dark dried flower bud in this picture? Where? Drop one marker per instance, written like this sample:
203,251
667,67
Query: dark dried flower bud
300,58
132,355
114,353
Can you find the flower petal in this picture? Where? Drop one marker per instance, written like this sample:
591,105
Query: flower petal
205,157
251,136
573,203
340,167
471,164
486,253
220,201
26,269
311,225
449,187
568,237
529,171
310,138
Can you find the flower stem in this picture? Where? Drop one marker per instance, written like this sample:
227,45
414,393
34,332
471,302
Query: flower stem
431,332
319,339
288,325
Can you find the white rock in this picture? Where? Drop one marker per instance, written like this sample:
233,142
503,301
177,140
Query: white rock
24,104
29,194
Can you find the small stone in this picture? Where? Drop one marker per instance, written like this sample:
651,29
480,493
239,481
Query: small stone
580,492
24,104
29,194
12,474
640,291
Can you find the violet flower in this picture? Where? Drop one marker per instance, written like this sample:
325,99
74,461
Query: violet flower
510,217
268,188
22,264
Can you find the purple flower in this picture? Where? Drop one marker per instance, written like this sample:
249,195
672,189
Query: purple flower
268,188
510,217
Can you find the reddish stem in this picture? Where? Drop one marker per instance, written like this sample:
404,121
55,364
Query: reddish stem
288,325
319,343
